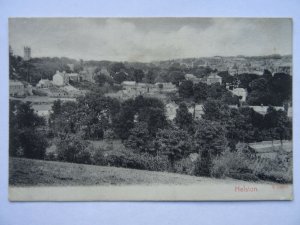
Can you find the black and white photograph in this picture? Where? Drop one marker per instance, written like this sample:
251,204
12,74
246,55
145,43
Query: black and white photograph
150,109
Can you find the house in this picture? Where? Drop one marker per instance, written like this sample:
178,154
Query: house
73,77
88,74
240,92
165,87
264,109
104,71
213,78
42,110
171,110
192,78
60,78
72,91
197,111
44,83
16,88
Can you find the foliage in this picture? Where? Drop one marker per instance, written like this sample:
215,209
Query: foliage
26,138
183,119
139,138
176,77
185,89
73,149
129,159
173,143
200,92
210,141
230,163
101,79
215,110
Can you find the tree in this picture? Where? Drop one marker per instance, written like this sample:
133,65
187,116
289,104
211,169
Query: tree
216,91
151,111
215,110
139,138
174,143
150,77
183,119
176,77
283,126
200,92
186,89
101,79
230,99
277,123
33,143
117,67
160,86
73,149
138,75
123,121
25,138
210,141
120,77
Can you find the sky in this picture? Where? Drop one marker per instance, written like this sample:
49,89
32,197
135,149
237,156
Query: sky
149,39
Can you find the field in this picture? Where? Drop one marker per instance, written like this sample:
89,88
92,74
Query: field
28,172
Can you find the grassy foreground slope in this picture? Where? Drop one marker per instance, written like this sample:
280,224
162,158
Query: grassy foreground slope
28,172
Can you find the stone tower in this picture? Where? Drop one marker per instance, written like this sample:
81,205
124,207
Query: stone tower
27,53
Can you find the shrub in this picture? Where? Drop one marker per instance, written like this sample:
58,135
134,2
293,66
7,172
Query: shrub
185,166
230,164
277,170
73,149
128,159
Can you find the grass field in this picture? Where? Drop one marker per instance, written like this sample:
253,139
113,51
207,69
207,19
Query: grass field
28,172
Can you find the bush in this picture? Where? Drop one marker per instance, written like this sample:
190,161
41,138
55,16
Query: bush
277,170
185,166
230,164
128,159
73,149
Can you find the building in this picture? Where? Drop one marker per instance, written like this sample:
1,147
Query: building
27,53
213,78
165,87
240,92
197,111
88,74
42,110
73,77
16,88
192,78
60,78
44,83
264,109
71,66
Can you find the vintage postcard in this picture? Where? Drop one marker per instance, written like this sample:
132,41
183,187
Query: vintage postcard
150,109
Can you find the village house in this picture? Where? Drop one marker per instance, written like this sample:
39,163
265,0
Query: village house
240,92
16,88
88,74
73,77
60,78
213,78
42,110
263,109
44,83
165,87
192,78
197,111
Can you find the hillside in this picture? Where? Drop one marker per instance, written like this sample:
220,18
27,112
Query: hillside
28,172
